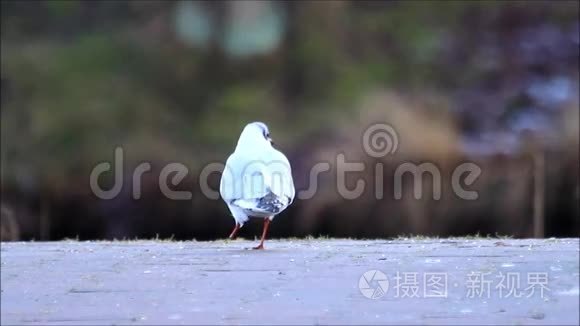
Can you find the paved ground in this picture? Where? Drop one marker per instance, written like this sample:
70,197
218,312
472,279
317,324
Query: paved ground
292,282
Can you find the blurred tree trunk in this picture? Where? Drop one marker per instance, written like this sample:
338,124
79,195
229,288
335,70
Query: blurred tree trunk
213,72
215,57
293,78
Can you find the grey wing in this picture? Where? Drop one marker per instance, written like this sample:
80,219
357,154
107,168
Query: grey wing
259,187
281,183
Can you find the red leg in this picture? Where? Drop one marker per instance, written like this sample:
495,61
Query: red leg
235,231
264,232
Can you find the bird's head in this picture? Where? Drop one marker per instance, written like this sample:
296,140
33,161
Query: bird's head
255,134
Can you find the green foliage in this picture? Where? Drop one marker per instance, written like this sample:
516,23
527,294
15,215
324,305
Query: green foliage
73,99
61,8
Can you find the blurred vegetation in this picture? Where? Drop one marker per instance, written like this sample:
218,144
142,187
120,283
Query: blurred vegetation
176,81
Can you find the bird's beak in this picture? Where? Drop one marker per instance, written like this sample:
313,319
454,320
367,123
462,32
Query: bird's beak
271,141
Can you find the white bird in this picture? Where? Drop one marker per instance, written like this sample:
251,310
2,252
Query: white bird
257,179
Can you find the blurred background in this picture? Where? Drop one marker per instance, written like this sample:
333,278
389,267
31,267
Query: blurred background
490,82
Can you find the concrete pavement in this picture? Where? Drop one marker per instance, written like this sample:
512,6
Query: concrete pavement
312,281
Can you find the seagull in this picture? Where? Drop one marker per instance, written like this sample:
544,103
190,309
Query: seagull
257,179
